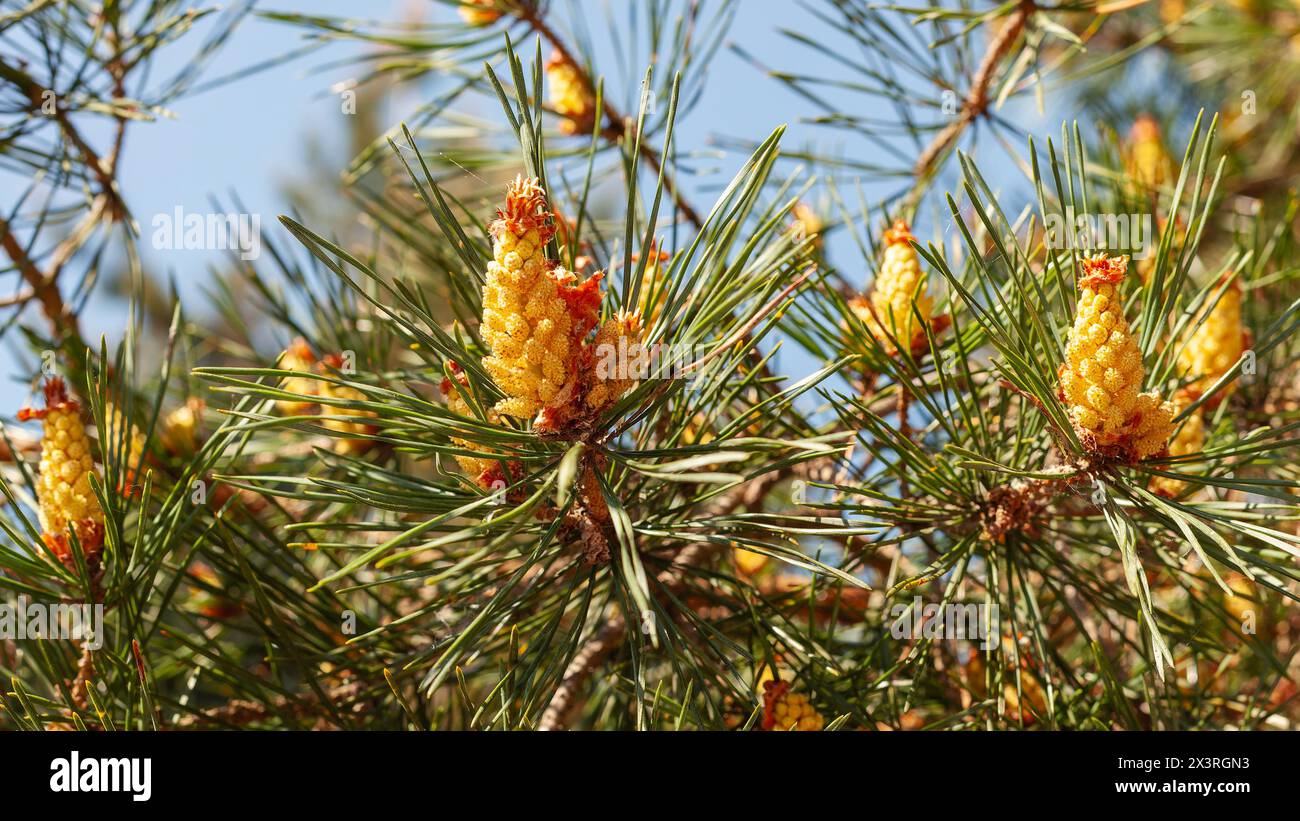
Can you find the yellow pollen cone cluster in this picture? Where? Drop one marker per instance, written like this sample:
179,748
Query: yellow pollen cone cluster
473,466
786,710
300,358
526,321
807,223
180,428
570,95
114,425
479,12
329,390
297,357
1214,347
1190,438
889,311
1103,372
1146,160
63,488
615,346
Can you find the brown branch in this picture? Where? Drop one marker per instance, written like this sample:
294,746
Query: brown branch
242,712
977,99
590,656
102,169
107,204
20,298
85,672
609,638
44,289
615,126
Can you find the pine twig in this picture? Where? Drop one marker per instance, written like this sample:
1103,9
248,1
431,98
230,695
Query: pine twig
977,99
107,204
85,672
242,712
615,126
45,290
103,168
609,638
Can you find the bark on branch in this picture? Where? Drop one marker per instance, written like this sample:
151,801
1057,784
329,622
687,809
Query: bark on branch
609,638
615,126
977,99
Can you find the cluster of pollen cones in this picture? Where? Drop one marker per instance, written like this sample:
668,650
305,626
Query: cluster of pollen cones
538,322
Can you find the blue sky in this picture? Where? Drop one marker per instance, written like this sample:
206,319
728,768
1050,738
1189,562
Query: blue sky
250,137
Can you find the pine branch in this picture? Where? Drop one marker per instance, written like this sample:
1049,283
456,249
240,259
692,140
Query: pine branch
615,128
108,203
976,101
611,635
63,321
103,168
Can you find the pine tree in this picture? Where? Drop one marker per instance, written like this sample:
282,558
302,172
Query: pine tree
517,449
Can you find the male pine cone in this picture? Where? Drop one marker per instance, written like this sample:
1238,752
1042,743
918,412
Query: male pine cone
536,315
526,322
355,442
114,425
298,357
900,285
784,709
477,468
1147,161
65,498
617,346
1216,345
570,95
1103,372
